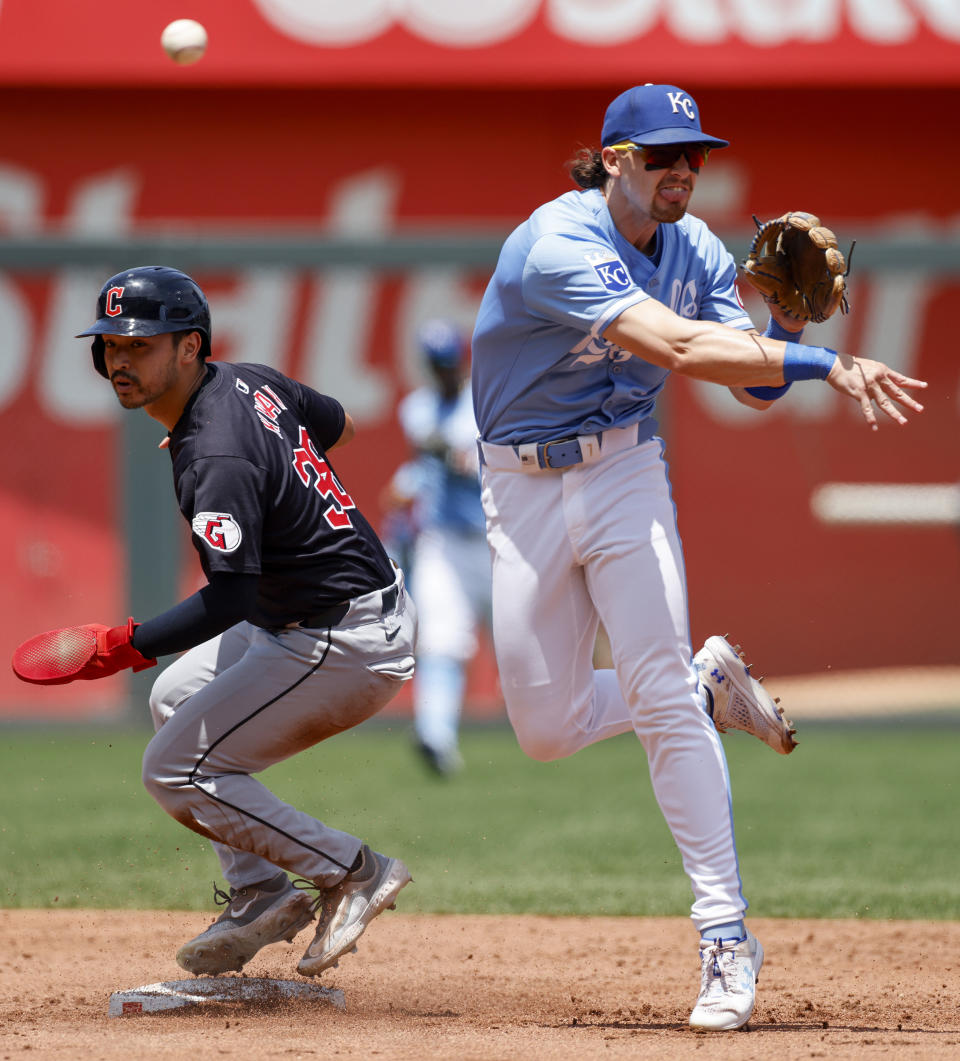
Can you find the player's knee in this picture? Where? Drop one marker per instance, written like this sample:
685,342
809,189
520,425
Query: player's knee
167,785
159,710
165,698
538,739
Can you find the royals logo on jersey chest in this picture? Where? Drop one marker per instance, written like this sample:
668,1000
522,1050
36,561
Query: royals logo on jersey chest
611,272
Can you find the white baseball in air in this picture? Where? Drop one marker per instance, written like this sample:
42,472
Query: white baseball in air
184,40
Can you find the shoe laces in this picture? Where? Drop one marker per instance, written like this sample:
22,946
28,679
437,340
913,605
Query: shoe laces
325,902
722,957
222,898
321,904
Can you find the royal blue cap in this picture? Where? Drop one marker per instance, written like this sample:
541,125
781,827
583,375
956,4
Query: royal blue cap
655,114
442,342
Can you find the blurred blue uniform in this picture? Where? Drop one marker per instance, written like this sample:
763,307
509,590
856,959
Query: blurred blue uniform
450,559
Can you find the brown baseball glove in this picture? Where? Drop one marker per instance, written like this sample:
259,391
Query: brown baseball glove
794,262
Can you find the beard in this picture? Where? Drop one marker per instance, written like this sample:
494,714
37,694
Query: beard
138,395
131,399
668,213
663,210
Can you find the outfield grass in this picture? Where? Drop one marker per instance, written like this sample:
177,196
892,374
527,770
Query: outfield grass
861,821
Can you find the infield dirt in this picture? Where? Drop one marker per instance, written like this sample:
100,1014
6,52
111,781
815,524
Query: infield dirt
485,987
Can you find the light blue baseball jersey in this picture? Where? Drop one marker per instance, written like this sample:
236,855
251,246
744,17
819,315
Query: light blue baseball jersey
448,490
541,368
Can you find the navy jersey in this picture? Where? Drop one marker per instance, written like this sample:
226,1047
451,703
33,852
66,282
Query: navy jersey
253,481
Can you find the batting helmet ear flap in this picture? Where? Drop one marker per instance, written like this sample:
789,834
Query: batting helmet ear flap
99,361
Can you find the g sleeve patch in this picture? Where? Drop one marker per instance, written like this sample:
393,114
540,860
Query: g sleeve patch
219,530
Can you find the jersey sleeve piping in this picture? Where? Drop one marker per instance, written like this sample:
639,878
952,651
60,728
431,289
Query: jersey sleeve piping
614,310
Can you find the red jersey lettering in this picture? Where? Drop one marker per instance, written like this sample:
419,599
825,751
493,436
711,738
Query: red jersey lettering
266,406
307,460
269,424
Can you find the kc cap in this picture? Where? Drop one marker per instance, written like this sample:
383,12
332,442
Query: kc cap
655,114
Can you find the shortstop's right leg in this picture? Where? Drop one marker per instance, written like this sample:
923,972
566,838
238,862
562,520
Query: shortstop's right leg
544,622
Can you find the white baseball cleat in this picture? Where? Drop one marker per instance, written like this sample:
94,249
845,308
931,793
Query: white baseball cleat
345,910
729,969
736,700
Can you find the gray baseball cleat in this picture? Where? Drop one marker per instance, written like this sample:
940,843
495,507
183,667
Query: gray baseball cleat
729,969
345,910
736,700
256,916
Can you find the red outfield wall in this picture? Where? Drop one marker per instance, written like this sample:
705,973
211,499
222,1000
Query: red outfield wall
361,160
518,42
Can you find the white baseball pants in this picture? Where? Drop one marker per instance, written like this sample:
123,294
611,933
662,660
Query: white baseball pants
451,583
596,542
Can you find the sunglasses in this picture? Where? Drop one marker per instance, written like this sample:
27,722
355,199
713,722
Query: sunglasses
663,156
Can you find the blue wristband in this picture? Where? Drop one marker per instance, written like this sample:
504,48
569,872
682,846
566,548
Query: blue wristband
774,331
768,394
807,362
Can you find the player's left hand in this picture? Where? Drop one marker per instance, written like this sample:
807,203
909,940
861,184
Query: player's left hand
78,653
872,383
795,264
784,317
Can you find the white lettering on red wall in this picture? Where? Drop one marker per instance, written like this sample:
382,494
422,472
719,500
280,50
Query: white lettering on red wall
253,319
764,23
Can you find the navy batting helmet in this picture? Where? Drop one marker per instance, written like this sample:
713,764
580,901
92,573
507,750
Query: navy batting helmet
149,300
442,342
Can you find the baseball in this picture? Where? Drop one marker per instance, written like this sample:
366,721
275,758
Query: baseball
184,41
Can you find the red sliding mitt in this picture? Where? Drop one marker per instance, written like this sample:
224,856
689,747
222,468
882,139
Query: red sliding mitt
78,653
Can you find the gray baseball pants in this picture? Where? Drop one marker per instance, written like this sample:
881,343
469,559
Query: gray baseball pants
252,697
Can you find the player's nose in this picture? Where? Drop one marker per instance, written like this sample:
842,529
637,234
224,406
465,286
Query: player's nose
116,358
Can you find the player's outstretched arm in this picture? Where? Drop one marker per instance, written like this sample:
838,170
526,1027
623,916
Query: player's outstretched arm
79,653
700,349
718,354
781,325
872,383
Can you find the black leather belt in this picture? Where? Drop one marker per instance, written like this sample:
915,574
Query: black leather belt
331,616
334,615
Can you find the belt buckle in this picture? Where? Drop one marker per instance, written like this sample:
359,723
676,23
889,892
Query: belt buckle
570,454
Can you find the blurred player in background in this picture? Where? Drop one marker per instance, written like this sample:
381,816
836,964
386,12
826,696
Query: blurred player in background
596,298
434,501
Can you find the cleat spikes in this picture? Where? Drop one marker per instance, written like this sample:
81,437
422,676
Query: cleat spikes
345,910
737,700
